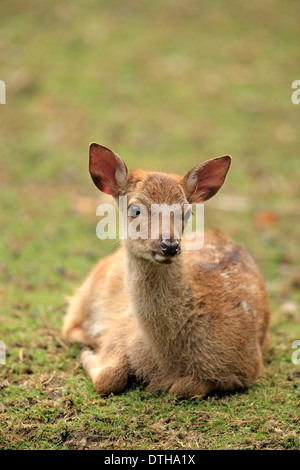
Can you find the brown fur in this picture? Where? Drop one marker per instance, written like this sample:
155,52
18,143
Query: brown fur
191,327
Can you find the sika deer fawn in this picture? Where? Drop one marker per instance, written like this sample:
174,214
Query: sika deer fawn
188,322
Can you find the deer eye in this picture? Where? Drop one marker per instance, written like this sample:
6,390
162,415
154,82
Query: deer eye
134,210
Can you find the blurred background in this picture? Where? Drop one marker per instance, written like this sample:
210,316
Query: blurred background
166,85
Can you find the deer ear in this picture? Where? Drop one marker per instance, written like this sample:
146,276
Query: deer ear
107,169
205,180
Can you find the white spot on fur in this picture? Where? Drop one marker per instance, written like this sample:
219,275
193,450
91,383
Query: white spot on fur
245,306
225,274
253,288
227,284
159,257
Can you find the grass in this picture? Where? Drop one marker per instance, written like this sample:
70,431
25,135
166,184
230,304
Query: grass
166,85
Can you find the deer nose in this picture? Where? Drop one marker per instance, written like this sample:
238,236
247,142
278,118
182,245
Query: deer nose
170,248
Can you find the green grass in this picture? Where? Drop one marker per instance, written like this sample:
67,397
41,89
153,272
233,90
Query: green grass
166,85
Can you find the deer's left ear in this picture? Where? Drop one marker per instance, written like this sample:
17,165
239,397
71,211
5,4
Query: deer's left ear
205,180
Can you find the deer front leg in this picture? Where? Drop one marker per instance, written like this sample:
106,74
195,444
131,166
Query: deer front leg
109,375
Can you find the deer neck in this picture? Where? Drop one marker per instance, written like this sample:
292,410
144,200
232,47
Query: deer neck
161,296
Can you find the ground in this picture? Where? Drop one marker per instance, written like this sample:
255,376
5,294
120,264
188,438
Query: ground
167,85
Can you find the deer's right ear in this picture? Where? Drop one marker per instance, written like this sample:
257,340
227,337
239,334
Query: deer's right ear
107,169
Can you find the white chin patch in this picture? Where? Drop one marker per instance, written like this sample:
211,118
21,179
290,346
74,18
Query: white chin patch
161,258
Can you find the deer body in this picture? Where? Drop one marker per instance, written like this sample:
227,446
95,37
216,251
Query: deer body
187,322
